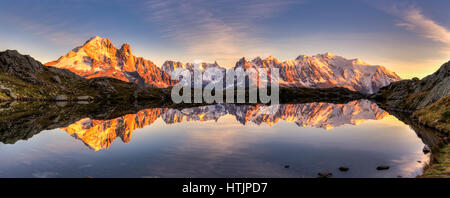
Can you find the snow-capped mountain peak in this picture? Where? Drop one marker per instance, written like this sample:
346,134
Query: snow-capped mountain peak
98,57
328,55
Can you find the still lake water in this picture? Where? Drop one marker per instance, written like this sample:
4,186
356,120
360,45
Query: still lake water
224,140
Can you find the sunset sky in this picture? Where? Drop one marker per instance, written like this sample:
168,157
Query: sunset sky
411,38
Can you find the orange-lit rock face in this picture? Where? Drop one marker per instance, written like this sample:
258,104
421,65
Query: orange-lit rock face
99,58
99,134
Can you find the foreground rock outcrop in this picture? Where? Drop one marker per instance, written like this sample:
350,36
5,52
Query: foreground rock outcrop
416,94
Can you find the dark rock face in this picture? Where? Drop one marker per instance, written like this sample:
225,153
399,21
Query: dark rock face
24,67
416,94
10,58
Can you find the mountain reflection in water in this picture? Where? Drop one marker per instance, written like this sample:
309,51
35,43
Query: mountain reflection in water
99,134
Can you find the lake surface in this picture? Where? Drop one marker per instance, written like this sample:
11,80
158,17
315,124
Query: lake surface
224,140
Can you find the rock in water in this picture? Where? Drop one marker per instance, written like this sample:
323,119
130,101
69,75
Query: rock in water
383,167
426,149
343,168
325,175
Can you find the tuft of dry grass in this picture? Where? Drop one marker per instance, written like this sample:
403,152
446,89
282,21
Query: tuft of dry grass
436,115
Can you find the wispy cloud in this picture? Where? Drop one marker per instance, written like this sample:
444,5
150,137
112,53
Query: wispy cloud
222,30
413,19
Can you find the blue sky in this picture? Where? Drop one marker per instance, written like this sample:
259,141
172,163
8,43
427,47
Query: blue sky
409,37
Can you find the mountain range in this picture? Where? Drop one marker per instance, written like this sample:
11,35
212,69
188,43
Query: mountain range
98,57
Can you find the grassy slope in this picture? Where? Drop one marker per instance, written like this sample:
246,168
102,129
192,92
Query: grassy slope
73,88
27,90
437,115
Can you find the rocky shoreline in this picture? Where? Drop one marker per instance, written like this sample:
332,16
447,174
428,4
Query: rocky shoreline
427,103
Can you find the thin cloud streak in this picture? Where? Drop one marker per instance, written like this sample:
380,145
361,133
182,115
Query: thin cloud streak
414,20
206,31
417,22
